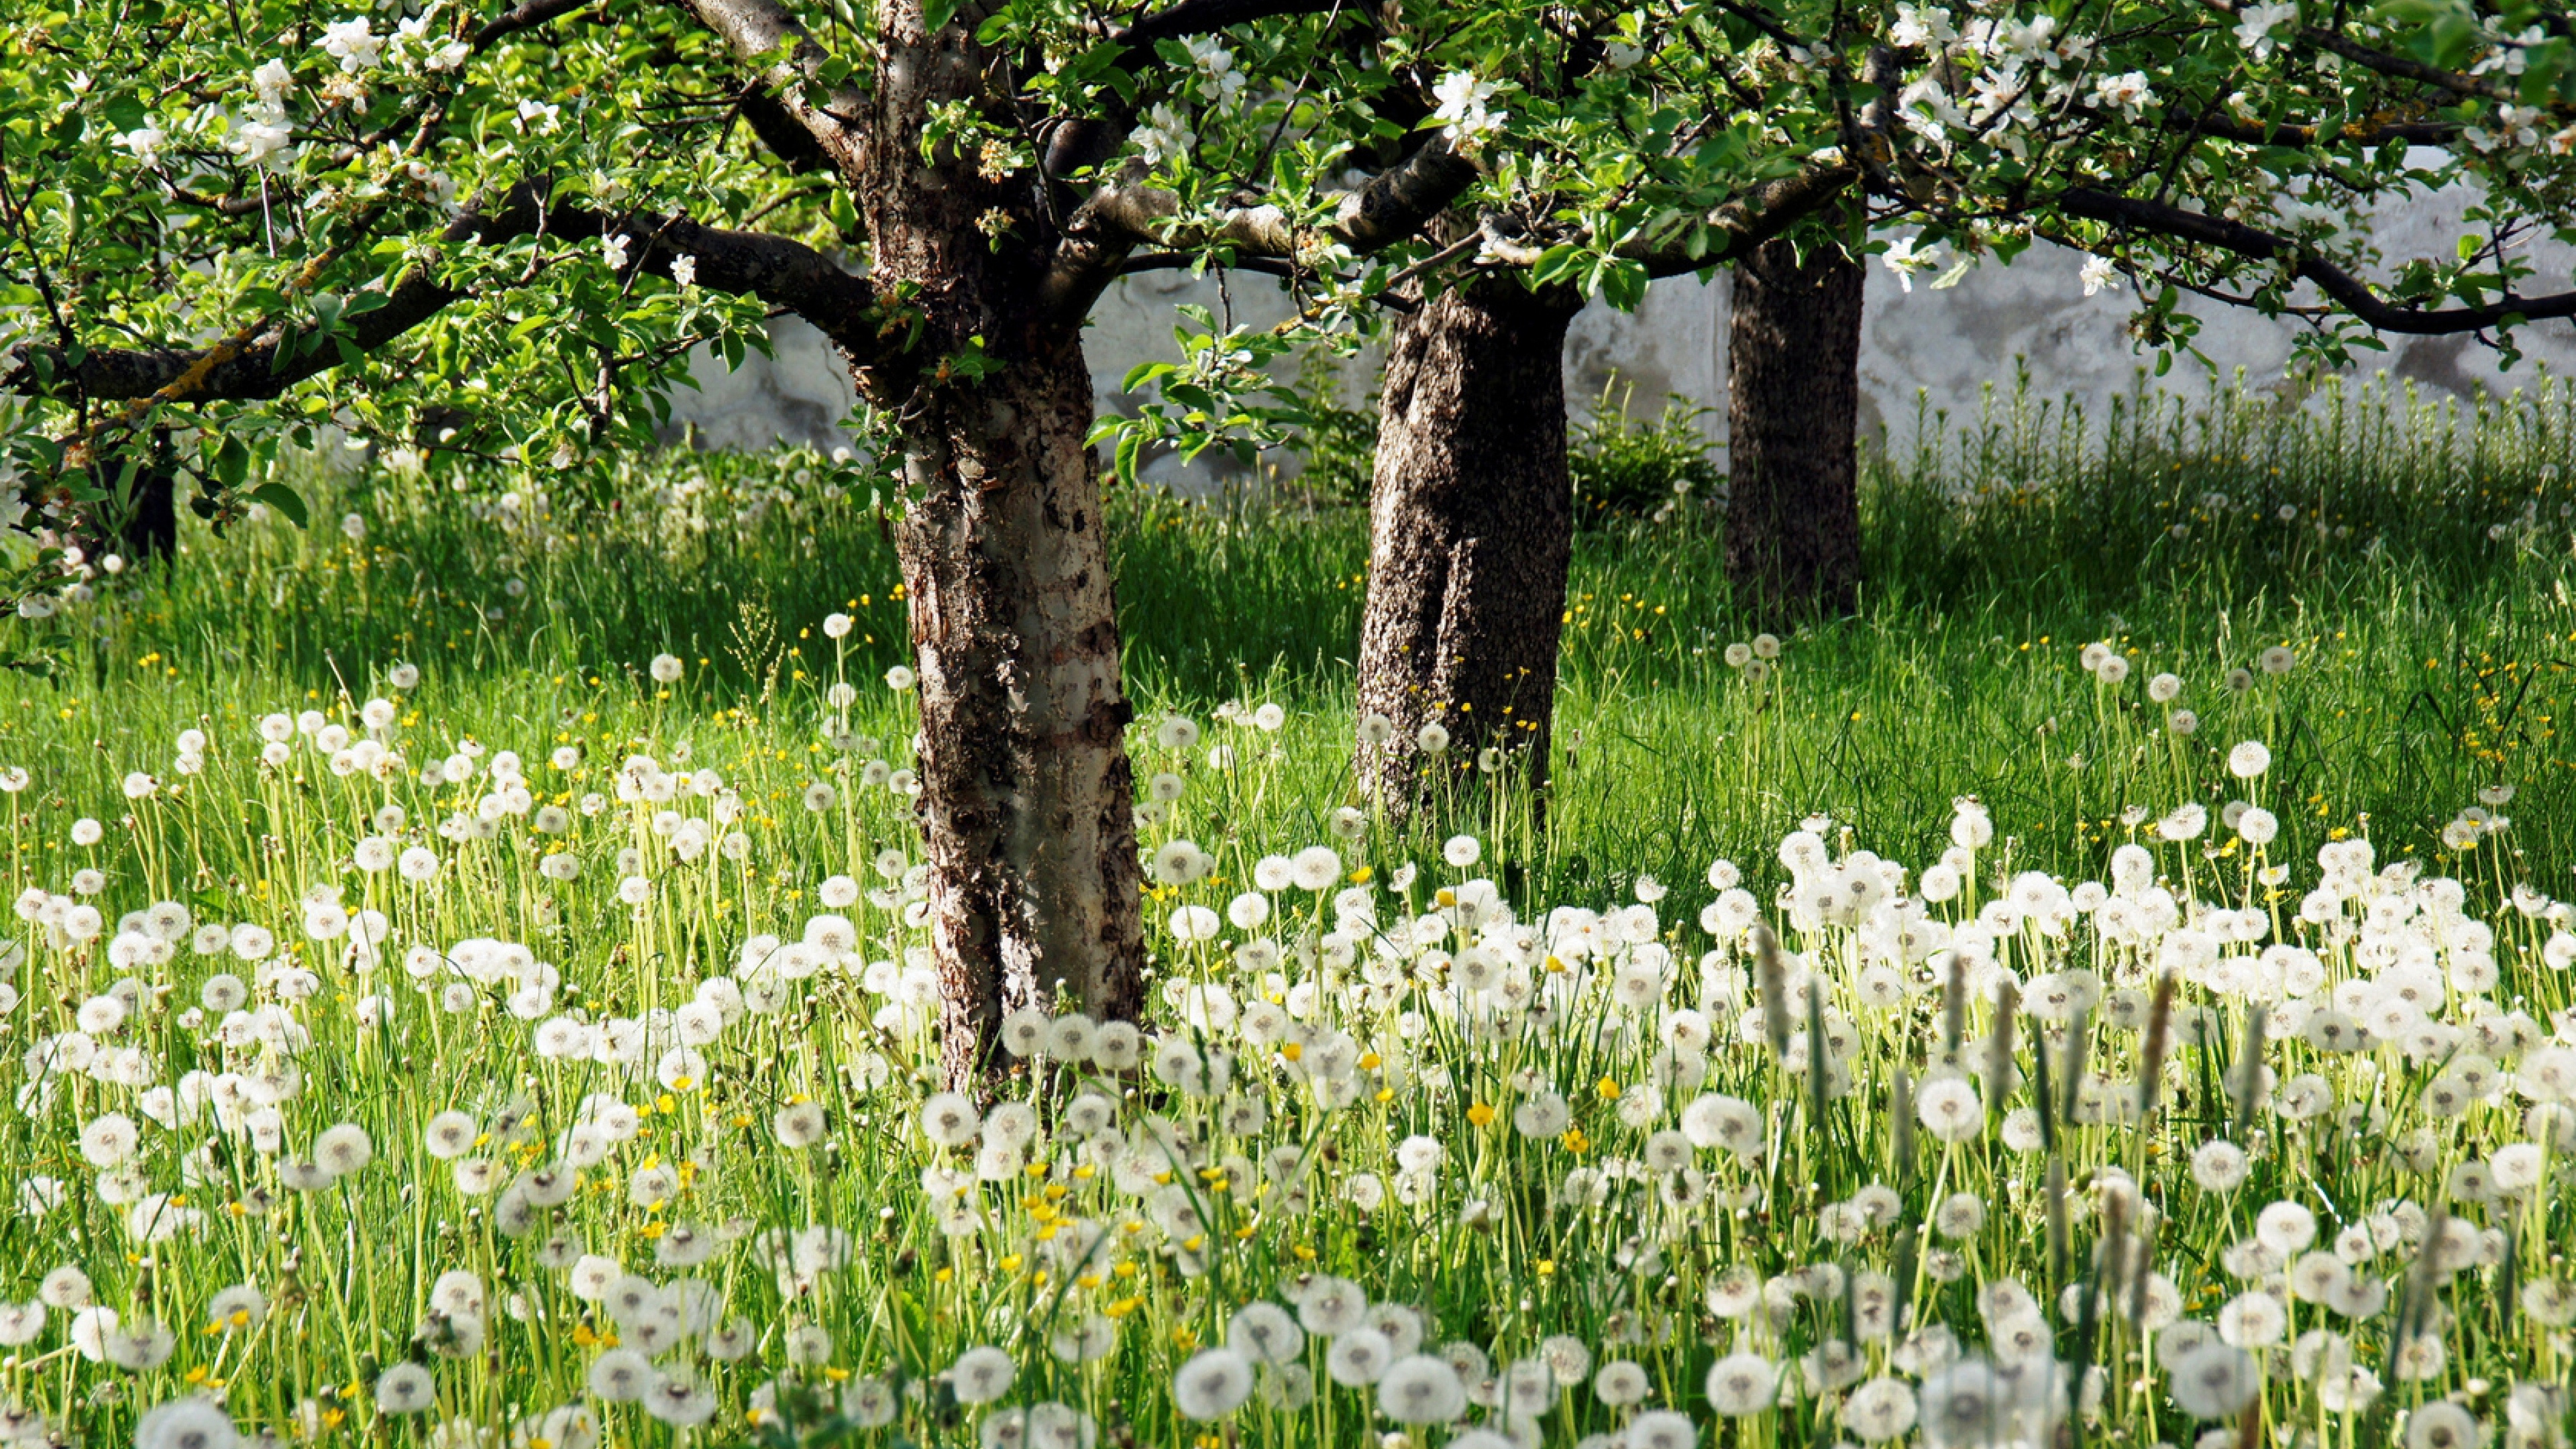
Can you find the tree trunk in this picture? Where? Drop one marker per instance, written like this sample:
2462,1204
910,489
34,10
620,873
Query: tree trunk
1028,800
1027,797
139,526
1793,424
145,528
1470,533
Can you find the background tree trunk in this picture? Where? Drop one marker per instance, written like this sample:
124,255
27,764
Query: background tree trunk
139,527
1470,533
1793,423
1027,796
146,530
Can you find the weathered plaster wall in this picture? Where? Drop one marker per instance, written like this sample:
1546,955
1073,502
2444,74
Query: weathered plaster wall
1947,344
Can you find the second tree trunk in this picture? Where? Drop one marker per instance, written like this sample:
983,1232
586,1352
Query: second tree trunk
1470,531
1793,423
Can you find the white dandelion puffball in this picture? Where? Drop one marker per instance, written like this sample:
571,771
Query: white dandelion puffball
983,1374
1421,1390
1213,1384
1741,1384
2249,759
1950,1110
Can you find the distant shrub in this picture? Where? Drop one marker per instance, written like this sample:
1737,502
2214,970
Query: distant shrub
1338,444
1625,468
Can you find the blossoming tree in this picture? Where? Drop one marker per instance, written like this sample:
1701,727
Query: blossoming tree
2206,154
501,233
1615,154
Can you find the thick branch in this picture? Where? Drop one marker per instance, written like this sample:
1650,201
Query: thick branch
1873,141
763,34
1391,207
2302,138
1397,201
1205,17
793,145
527,15
784,273
2404,67
778,271
1754,218
1764,23
2348,291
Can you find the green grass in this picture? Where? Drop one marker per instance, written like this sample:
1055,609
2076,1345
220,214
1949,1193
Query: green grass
2433,659
2420,589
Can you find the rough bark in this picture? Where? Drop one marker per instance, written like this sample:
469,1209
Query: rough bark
1470,533
1793,419
1027,802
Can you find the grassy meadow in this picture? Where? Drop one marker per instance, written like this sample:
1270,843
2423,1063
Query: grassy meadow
468,982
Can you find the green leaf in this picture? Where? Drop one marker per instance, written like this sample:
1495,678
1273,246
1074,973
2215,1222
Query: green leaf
232,463
1623,284
1557,263
1145,372
284,499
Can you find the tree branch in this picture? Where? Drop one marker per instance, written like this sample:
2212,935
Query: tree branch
2302,138
1754,218
793,145
1285,271
1203,17
1391,207
2348,291
1175,261
2405,68
527,15
759,32
785,273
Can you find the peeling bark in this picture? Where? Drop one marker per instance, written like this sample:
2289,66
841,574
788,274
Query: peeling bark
1028,797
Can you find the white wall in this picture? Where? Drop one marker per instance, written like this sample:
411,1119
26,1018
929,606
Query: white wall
1947,344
